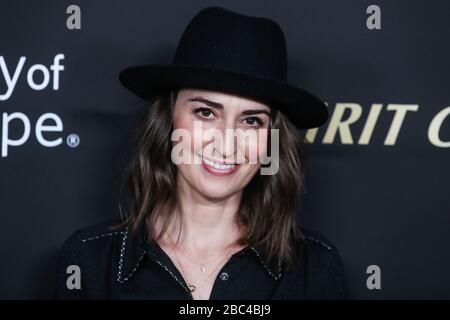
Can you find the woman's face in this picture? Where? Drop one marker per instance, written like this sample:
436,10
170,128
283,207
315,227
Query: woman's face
224,137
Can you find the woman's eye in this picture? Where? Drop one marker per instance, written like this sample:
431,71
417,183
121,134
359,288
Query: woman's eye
253,122
204,112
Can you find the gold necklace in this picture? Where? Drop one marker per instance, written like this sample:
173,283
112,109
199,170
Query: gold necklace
191,286
202,265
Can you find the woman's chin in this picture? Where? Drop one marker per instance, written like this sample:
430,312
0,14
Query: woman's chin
216,192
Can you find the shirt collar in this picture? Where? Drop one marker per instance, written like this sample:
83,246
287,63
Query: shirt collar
134,247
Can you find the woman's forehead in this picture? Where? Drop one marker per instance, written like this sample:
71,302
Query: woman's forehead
223,98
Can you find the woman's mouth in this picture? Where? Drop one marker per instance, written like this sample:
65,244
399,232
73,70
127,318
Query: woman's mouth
218,169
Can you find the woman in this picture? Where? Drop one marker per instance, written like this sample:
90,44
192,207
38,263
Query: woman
209,199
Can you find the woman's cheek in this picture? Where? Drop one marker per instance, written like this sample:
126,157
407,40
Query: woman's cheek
255,148
197,138
184,140
262,148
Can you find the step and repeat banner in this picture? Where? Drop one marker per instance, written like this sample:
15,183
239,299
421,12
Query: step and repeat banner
378,173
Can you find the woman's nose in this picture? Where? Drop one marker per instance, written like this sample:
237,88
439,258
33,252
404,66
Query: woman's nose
226,144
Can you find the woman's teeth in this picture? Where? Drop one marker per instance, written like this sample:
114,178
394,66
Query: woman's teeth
219,166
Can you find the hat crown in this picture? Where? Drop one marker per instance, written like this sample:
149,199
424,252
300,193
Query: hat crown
222,39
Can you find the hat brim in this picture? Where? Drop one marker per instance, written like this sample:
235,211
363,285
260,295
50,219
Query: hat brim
302,108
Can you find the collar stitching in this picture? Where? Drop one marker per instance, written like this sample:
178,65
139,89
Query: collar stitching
276,277
134,269
122,251
175,277
318,241
101,236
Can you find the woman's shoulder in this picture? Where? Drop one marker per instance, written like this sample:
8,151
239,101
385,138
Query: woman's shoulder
317,247
88,252
93,242
320,260
105,230
316,240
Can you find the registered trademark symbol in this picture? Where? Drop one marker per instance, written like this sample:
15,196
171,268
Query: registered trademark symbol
73,140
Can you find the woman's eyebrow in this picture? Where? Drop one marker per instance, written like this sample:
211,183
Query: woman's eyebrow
256,111
207,102
220,106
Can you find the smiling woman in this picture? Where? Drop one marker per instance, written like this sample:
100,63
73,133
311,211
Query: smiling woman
213,227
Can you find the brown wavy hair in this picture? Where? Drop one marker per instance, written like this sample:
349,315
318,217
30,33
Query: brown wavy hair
269,202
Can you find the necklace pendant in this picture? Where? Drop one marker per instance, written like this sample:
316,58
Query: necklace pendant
192,287
203,268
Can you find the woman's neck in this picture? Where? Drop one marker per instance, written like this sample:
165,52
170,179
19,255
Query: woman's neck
207,224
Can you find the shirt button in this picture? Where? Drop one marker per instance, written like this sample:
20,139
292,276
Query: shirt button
224,276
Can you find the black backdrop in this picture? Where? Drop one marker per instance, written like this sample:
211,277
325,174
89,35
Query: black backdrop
377,178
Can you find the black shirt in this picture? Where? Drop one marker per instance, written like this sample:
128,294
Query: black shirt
113,264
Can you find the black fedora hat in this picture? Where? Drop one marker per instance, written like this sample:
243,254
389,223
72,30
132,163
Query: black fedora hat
225,51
